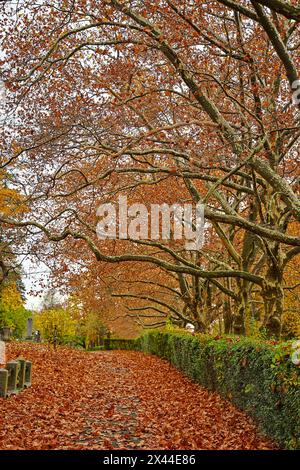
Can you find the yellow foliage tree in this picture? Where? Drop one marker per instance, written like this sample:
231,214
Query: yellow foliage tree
56,323
12,311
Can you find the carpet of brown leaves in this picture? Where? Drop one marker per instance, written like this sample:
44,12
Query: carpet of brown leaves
117,400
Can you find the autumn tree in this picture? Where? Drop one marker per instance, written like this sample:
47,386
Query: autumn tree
119,97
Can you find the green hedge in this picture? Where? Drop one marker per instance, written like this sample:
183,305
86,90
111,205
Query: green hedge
258,377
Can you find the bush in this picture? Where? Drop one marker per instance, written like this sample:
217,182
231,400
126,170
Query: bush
258,377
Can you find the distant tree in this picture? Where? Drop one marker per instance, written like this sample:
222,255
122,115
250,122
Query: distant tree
13,314
56,325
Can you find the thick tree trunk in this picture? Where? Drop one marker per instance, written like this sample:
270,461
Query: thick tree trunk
273,297
227,315
272,291
248,255
243,310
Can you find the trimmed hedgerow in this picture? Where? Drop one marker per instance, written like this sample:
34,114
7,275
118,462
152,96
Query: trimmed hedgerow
258,377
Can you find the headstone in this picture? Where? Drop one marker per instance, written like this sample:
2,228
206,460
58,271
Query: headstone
3,383
13,372
2,353
5,333
21,375
29,328
15,377
28,371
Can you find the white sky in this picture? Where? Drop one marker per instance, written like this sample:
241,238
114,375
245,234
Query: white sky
33,275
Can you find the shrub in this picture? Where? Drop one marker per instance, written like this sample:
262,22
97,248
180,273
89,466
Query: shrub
259,377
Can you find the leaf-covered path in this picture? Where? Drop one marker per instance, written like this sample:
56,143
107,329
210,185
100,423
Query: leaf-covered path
117,400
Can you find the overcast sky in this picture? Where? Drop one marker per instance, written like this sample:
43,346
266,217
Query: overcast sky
33,275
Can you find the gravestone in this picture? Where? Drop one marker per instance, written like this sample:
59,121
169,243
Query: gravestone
3,383
13,368
2,353
28,370
5,333
3,372
21,374
29,328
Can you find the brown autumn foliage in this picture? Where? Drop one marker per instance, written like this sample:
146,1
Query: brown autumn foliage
117,400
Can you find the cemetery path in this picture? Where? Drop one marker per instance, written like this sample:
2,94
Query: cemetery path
117,400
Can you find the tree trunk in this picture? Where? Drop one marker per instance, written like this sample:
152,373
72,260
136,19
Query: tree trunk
227,315
273,297
243,310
